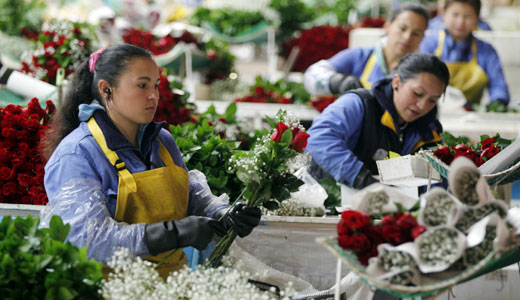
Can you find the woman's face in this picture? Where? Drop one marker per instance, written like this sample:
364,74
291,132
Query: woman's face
134,99
460,20
405,33
417,96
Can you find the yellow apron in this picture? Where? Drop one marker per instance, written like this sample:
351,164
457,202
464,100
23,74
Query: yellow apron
368,70
466,76
150,196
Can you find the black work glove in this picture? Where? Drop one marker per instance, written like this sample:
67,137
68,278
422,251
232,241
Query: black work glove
192,231
363,179
5,73
340,84
240,217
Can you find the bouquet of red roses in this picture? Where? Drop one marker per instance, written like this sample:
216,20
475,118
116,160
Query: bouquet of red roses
157,45
281,92
63,44
478,152
21,171
362,233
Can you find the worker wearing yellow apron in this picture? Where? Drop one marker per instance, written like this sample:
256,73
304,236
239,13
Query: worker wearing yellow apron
473,63
361,67
118,178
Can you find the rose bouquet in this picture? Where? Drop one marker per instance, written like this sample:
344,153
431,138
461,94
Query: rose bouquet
264,171
21,171
479,152
362,234
62,44
316,43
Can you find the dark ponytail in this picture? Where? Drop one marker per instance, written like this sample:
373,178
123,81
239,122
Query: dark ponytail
83,88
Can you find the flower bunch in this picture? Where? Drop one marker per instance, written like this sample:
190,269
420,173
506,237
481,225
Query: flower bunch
316,43
321,102
439,246
400,264
21,171
358,232
157,45
472,215
264,171
134,278
173,106
281,92
63,44
475,254
437,209
479,152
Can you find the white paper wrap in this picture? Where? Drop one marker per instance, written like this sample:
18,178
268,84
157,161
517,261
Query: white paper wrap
461,168
362,199
427,267
426,214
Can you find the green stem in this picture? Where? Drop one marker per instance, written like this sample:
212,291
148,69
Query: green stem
215,259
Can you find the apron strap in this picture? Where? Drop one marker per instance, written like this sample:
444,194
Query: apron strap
367,71
123,172
440,43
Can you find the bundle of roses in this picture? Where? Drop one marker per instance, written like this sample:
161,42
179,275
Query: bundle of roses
266,171
156,45
316,43
478,152
370,22
361,233
63,44
173,106
21,171
281,92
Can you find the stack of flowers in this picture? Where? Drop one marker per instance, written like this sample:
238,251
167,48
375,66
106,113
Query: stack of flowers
157,45
317,43
478,152
370,22
21,171
173,106
453,232
63,44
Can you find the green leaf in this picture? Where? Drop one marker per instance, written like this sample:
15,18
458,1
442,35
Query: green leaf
271,205
270,121
231,111
59,231
286,137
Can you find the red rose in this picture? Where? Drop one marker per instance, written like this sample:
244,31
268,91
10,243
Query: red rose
359,242
393,234
355,219
9,188
486,143
24,179
343,228
6,173
460,148
406,221
365,255
489,151
299,142
417,231
388,220
444,154
277,134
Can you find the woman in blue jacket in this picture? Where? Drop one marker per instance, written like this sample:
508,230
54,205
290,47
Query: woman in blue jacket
360,67
473,63
398,114
118,178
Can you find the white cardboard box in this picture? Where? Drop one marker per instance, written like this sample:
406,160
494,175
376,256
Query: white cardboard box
408,170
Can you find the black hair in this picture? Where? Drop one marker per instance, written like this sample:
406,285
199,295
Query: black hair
83,88
412,64
475,4
413,7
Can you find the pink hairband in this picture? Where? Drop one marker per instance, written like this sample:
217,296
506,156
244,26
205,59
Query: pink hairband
93,59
